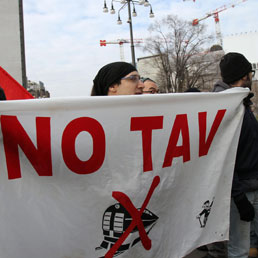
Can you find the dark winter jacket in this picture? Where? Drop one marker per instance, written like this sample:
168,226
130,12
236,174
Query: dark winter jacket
245,177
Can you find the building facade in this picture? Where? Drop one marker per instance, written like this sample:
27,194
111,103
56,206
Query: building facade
12,50
37,90
209,61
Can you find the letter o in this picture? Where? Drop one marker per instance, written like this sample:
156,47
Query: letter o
94,128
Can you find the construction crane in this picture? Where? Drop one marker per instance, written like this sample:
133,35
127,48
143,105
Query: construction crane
121,43
215,15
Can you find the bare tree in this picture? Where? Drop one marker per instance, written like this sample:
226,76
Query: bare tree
179,55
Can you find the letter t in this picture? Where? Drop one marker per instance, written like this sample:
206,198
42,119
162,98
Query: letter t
146,125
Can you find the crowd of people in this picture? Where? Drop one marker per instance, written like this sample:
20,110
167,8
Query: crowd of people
122,78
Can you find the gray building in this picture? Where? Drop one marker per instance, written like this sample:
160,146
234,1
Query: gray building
12,50
37,90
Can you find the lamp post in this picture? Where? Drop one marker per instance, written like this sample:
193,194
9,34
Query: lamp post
128,3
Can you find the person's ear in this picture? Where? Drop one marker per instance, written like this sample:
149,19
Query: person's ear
245,78
112,89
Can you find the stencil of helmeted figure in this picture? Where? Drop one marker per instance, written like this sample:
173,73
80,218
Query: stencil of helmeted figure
204,214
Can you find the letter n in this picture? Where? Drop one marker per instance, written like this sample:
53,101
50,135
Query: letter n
180,126
204,145
14,135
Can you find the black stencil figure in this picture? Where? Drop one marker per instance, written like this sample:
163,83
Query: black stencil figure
204,214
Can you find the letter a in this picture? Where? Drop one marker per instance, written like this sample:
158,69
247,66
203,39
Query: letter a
180,126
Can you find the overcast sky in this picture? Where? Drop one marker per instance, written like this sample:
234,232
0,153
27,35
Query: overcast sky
62,36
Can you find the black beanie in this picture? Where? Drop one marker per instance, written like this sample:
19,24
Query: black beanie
233,67
108,75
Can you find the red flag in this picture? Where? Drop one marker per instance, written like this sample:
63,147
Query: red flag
12,89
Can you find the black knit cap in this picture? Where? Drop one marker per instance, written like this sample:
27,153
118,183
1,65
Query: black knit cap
108,75
233,67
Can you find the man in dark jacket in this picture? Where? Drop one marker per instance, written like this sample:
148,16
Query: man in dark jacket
236,71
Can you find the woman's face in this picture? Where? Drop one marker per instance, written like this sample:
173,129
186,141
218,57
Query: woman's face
130,85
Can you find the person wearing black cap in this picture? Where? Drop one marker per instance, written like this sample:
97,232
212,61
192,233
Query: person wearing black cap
236,71
118,78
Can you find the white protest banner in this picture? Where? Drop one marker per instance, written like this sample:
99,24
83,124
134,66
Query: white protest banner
128,176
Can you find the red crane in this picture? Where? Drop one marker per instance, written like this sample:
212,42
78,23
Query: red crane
215,15
121,43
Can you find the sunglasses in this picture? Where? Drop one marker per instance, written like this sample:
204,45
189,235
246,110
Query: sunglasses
133,78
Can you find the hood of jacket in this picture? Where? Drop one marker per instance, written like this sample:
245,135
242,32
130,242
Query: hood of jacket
220,86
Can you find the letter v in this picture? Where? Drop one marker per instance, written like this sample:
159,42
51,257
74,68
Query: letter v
204,145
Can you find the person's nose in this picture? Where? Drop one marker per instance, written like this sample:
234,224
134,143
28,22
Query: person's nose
140,85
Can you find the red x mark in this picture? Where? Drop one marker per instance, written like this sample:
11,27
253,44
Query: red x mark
136,218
